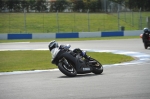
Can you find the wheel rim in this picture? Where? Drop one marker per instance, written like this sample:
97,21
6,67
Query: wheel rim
98,66
71,70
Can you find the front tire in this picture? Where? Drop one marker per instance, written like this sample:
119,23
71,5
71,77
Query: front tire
97,67
68,71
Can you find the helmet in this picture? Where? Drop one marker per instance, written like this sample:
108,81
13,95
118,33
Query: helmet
145,30
52,44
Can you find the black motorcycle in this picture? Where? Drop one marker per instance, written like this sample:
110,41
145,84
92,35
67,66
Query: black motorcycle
73,64
146,41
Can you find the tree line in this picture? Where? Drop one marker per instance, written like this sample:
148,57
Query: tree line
71,5
135,4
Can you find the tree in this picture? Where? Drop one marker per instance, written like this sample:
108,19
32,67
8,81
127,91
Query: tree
39,5
24,5
60,5
17,6
99,5
119,1
93,6
79,5
135,4
10,4
32,4
1,4
147,5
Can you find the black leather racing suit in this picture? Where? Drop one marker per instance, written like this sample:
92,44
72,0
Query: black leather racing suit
75,51
146,37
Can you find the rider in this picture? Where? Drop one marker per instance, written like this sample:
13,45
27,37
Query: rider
146,36
53,44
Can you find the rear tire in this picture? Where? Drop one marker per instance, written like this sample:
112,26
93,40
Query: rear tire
145,45
70,72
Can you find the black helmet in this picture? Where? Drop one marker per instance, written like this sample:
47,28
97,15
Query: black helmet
52,44
145,30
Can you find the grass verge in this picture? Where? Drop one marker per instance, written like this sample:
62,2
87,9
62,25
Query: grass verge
40,60
68,22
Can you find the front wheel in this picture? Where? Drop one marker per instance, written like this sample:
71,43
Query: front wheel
97,67
67,68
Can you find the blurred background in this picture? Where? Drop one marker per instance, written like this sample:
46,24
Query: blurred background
59,16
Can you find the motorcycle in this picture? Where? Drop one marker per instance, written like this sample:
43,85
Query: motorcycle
72,64
147,43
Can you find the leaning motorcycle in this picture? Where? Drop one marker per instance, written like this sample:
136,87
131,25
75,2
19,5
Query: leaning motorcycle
147,43
71,65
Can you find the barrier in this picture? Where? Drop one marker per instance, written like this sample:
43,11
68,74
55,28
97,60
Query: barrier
67,35
116,33
70,35
19,36
43,35
3,36
133,33
89,34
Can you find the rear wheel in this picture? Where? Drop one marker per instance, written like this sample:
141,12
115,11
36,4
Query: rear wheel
67,69
145,45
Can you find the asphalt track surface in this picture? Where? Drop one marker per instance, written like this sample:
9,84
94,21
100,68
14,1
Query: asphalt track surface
118,82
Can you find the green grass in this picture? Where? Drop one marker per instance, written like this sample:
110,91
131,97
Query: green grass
71,39
68,22
39,60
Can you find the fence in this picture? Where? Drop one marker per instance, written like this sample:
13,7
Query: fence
112,17
129,18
